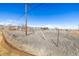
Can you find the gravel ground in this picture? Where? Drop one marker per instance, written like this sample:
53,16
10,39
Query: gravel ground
44,42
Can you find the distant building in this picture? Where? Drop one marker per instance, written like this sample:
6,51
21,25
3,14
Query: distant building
44,28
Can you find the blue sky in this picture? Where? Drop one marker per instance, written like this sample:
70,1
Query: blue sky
11,13
54,15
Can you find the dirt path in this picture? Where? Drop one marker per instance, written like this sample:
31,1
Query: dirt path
6,50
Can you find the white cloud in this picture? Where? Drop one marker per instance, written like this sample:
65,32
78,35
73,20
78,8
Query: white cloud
56,26
9,22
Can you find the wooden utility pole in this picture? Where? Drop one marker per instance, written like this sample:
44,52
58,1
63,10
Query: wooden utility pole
26,18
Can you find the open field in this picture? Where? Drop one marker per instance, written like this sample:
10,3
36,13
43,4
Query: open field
7,50
46,42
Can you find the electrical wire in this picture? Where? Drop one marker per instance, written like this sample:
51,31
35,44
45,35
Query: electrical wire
32,9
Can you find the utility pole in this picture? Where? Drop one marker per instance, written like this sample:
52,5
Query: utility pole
26,18
26,14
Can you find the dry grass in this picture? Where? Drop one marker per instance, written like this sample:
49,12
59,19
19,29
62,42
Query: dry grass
6,50
43,42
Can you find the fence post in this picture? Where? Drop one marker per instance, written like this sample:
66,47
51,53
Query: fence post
58,37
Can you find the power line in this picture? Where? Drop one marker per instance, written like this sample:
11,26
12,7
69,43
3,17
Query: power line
32,9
